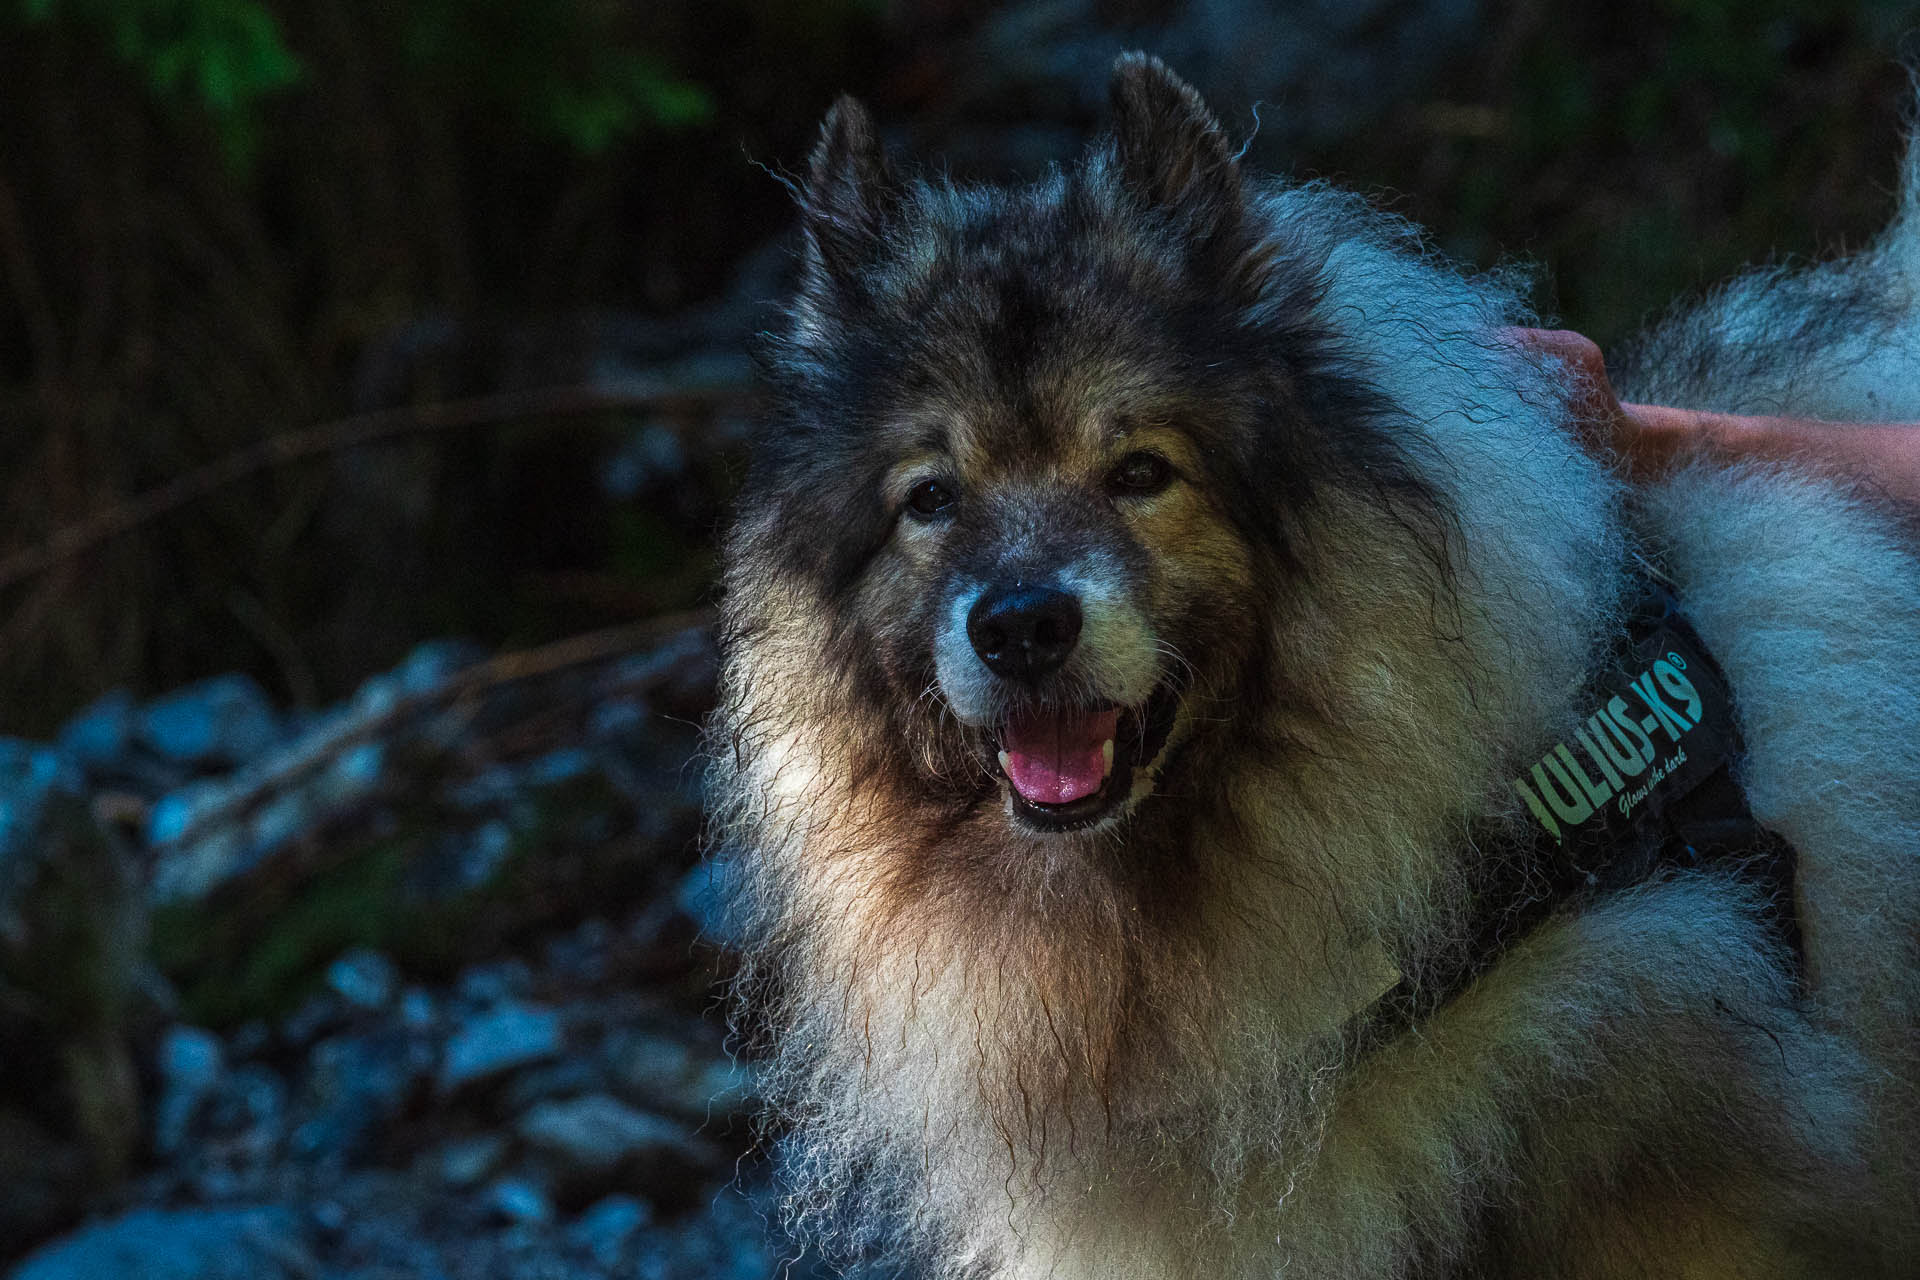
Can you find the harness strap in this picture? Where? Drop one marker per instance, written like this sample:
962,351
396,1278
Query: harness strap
1644,783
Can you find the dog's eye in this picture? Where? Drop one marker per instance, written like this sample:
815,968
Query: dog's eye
928,499
1139,474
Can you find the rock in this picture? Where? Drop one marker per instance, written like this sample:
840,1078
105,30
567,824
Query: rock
606,1230
491,984
190,872
280,820
617,719
502,1039
580,958
418,1011
467,1162
357,1086
590,1144
478,859
175,814
352,776
183,1244
100,735
669,1074
319,1014
728,1242
224,721
249,1110
29,775
433,663
520,1201
364,979
559,766
191,1062
567,1078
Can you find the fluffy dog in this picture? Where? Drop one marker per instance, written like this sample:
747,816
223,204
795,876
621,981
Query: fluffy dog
1150,608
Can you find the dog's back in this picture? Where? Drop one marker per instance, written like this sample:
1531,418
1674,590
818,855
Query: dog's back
1806,586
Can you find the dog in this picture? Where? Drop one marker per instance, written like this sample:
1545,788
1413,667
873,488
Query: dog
1165,634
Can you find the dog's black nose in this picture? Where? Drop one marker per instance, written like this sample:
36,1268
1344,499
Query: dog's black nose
1024,633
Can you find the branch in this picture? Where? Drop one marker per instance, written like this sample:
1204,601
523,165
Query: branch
332,437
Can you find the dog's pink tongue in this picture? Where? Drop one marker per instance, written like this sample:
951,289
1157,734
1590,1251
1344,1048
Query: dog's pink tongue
1055,757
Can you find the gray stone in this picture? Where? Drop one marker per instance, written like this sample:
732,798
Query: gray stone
358,1084
484,855
667,1073
558,766
502,1039
617,719
490,984
190,1062
29,774
318,1015
251,1104
177,812
101,734
467,1162
280,820
183,1244
433,663
191,871
594,1136
223,721
418,1010
580,958
354,774
606,1230
567,1078
364,979
376,697
521,1201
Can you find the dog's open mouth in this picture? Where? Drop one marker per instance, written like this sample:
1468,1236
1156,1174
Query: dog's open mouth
1069,767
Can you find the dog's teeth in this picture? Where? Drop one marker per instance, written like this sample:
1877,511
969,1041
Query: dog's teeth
1005,766
1106,757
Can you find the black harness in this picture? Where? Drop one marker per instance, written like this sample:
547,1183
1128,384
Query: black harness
1645,783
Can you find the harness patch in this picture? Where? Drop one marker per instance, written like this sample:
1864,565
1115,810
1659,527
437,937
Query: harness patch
1655,737
1646,782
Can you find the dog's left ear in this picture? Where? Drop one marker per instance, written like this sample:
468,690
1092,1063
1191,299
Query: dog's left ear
849,189
1170,151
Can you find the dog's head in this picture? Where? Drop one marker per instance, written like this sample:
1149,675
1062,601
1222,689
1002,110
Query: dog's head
1145,575
1048,456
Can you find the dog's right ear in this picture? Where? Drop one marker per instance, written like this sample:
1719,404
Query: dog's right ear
1168,147
848,193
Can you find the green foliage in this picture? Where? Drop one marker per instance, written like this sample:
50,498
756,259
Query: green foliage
572,72
575,72
223,56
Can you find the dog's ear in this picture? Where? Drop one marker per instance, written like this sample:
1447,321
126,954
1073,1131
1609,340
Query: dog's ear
849,189
1169,150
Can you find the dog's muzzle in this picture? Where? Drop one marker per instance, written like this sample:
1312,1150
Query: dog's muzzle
1064,675
1024,633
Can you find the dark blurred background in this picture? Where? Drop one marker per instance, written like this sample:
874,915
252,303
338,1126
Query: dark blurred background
375,376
